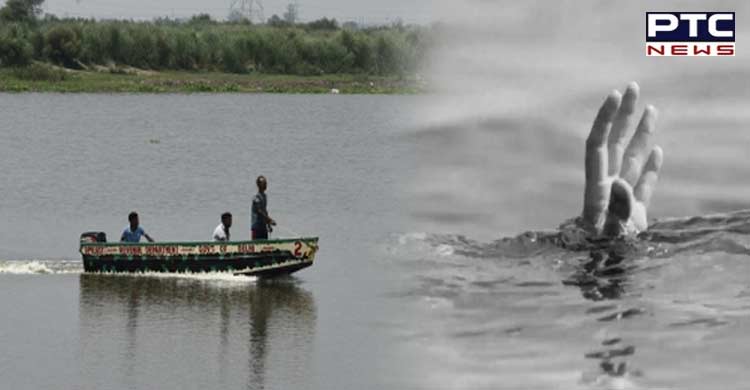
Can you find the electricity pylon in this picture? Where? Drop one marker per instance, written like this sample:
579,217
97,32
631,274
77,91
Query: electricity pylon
250,9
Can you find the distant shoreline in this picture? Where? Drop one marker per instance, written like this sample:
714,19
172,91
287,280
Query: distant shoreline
202,55
130,80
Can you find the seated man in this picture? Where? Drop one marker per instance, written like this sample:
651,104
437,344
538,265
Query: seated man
221,233
134,232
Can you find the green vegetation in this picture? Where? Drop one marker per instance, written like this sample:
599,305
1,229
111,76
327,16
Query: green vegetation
90,55
47,78
23,11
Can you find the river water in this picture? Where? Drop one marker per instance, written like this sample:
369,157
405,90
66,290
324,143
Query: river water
73,163
413,286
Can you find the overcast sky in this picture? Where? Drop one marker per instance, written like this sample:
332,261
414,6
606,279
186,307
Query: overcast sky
382,11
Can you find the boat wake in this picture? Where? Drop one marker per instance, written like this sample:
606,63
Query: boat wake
61,267
40,267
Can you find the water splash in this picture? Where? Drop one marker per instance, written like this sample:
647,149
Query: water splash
680,283
728,233
40,267
59,267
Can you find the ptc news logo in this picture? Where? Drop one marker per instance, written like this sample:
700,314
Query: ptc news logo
694,34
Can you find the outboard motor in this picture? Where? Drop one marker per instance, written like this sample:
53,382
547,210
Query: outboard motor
94,237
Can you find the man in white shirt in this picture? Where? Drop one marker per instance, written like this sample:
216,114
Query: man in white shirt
221,233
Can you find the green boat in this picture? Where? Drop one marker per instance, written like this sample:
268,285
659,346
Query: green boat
263,258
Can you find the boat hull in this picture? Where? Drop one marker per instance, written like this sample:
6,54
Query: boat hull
265,258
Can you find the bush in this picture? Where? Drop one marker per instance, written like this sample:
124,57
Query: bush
385,54
358,45
113,45
186,51
24,11
211,50
40,72
323,24
93,45
62,46
142,51
329,56
164,50
247,47
14,52
201,19
201,44
37,42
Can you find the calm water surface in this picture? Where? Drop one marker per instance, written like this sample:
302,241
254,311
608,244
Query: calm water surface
80,162
400,296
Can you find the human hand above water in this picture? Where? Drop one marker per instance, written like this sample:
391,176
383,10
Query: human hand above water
620,175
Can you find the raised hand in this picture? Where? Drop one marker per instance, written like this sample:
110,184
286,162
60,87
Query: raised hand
620,175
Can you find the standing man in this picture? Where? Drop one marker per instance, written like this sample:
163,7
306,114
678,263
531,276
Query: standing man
221,233
260,222
134,232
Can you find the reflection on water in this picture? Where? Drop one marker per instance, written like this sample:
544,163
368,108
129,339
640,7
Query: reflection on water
333,163
204,326
665,309
604,277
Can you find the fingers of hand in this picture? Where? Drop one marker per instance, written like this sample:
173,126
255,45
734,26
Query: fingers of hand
621,200
639,147
595,193
621,128
596,148
649,177
595,200
621,204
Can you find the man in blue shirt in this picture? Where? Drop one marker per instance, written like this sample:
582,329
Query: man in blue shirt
134,232
260,221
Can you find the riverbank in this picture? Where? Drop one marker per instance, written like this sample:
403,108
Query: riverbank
52,79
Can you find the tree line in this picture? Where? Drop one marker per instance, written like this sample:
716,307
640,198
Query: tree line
203,44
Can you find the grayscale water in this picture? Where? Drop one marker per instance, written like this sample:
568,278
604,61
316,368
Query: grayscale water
500,152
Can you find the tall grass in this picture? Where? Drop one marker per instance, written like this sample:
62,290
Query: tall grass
210,46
